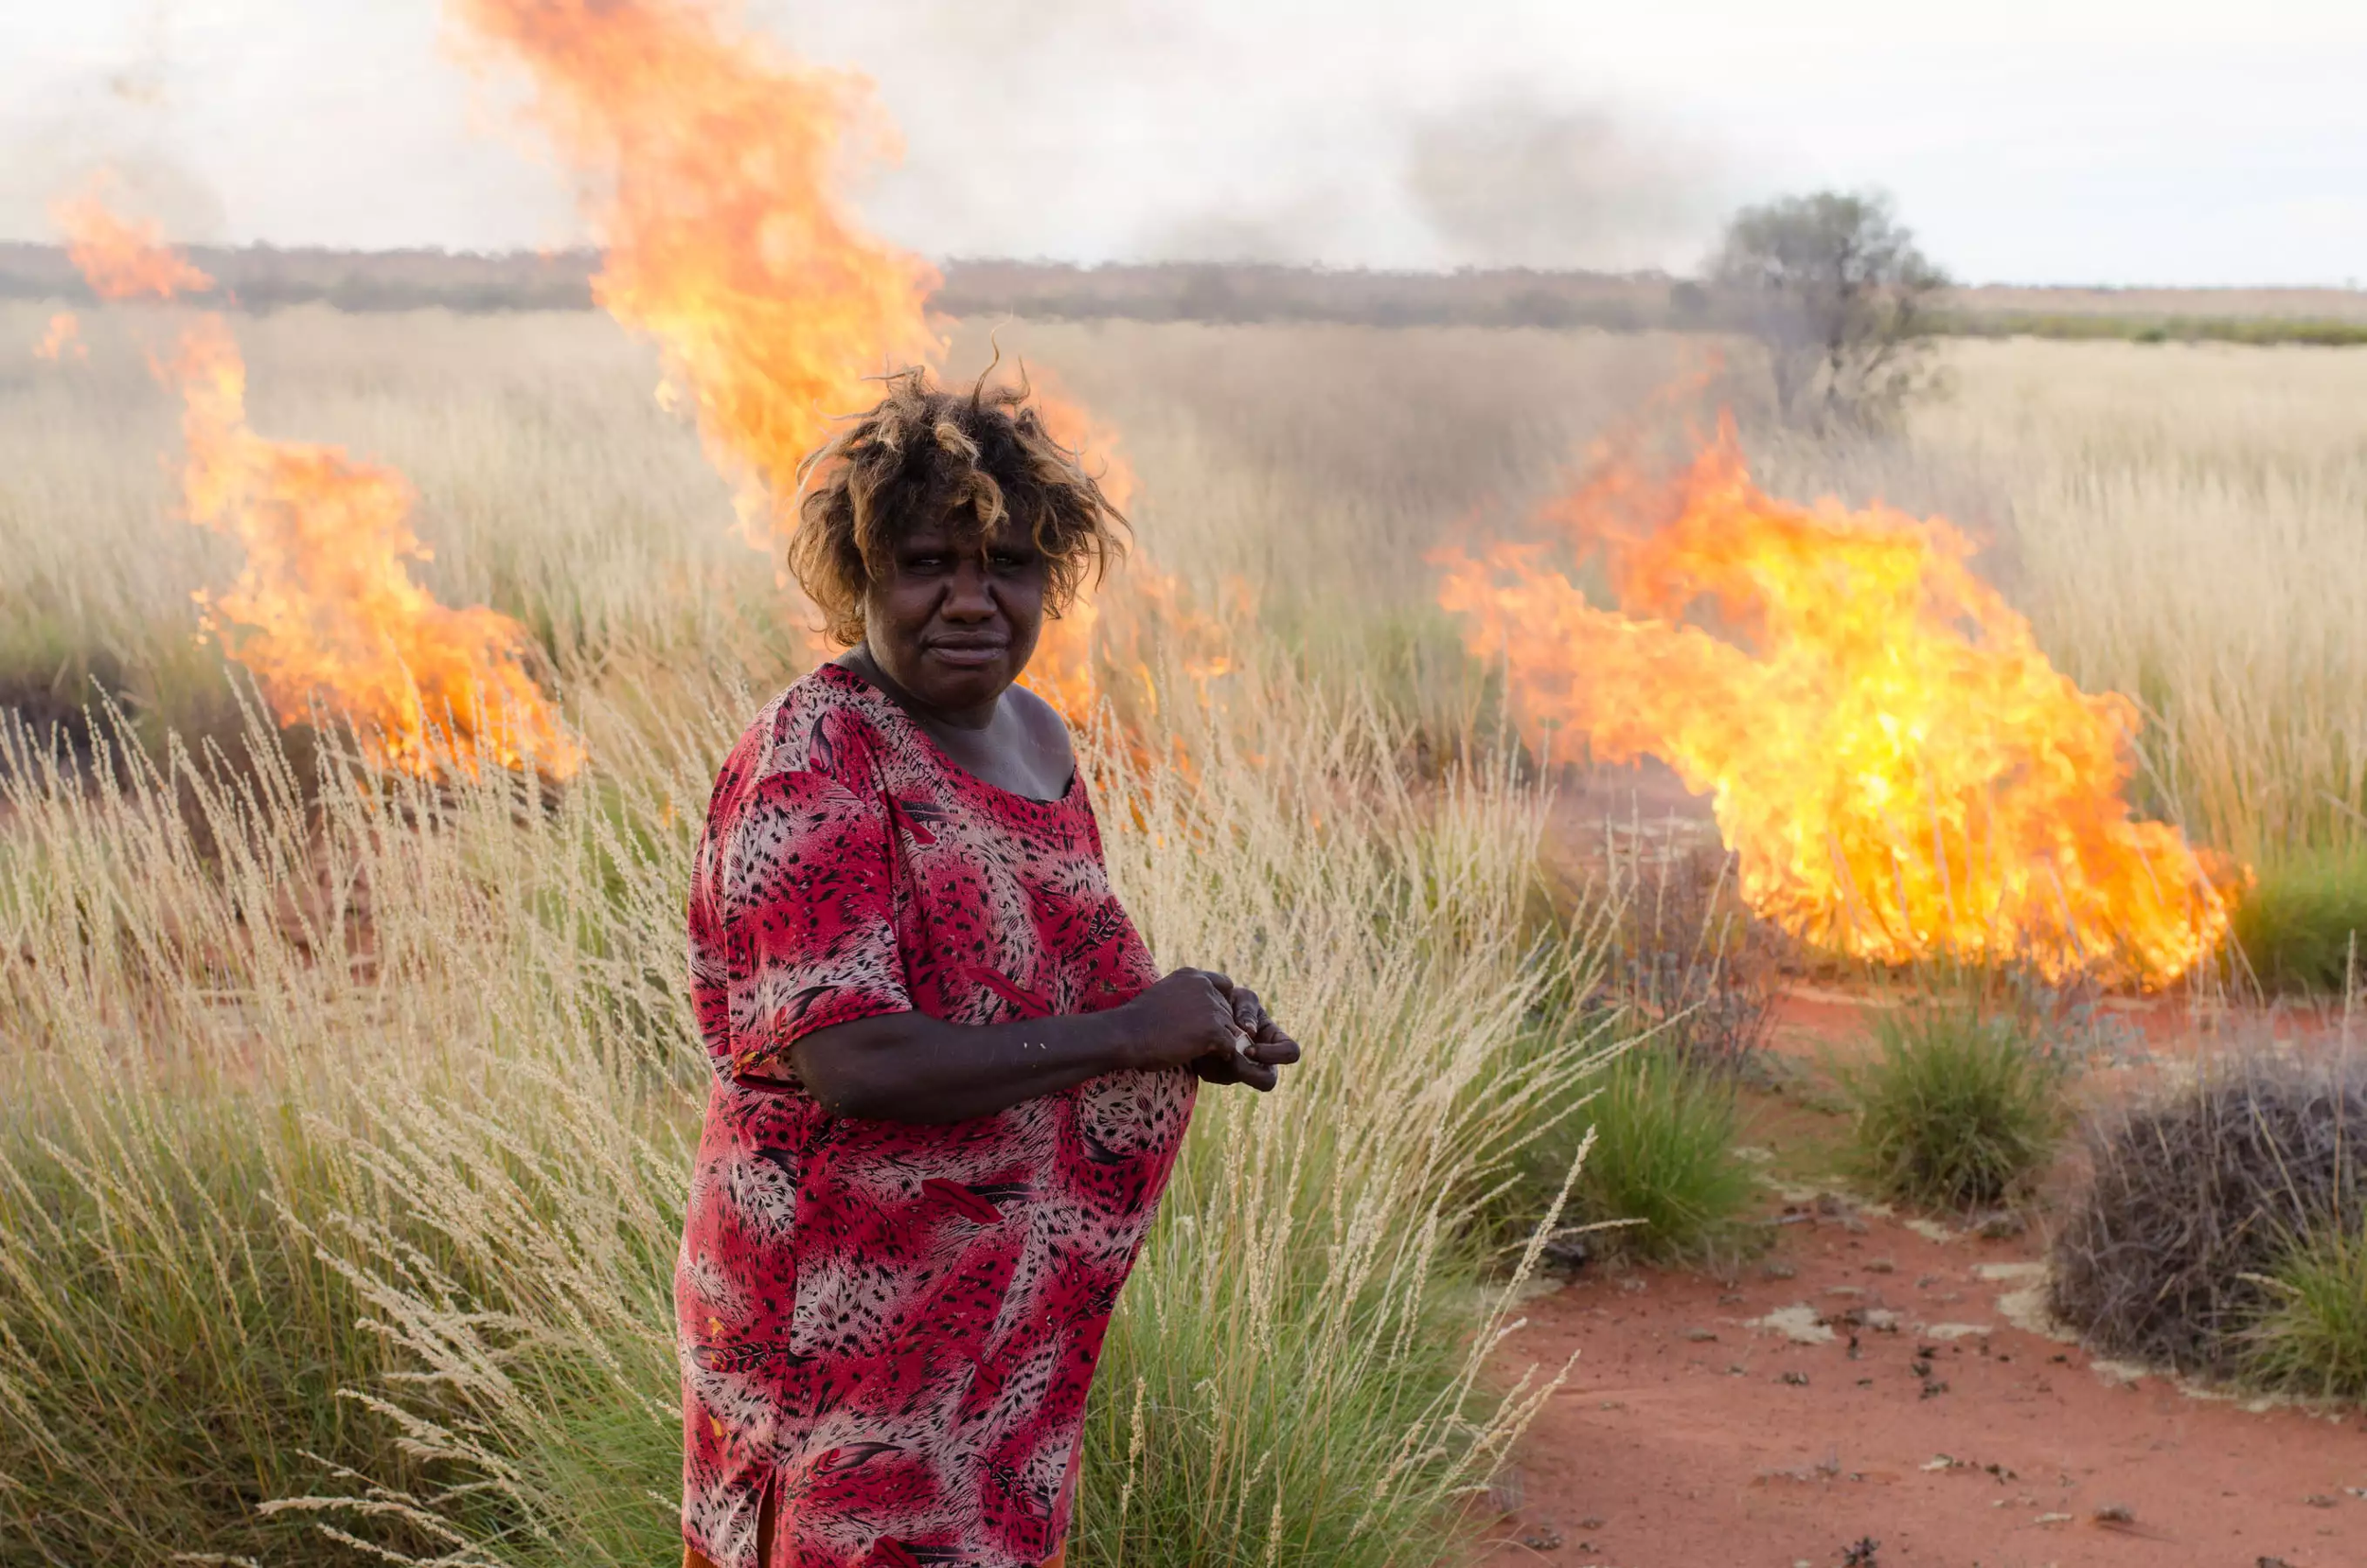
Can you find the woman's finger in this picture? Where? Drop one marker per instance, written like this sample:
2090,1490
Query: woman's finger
1258,1076
1280,1051
1248,1012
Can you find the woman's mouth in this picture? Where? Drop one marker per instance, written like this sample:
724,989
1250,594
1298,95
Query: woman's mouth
969,655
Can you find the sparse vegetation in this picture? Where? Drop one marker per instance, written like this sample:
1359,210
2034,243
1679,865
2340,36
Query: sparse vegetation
2175,1248
1959,1108
265,278
1677,972
1687,957
2305,332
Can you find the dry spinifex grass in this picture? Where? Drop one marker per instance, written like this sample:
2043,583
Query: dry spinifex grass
2195,1196
341,1176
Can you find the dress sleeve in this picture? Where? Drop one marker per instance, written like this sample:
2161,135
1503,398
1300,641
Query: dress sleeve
803,900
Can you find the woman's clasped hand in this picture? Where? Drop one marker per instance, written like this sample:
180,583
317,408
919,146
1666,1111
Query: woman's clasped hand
1200,1018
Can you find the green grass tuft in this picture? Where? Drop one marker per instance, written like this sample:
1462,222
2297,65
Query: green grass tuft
2298,925
1664,1158
2312,1336
1959,1109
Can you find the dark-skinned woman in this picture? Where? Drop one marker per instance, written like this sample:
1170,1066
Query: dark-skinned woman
949,1082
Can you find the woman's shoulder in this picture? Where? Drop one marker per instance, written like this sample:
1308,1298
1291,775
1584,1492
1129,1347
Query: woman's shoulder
827,723
820,724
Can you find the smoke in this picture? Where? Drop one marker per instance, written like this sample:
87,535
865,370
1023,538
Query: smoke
117,112
1087,130
1507,178
1125,129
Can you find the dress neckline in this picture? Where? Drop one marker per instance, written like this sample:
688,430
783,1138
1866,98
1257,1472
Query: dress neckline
944,758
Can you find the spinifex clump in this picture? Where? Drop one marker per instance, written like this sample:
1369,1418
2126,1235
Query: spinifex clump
2197,1198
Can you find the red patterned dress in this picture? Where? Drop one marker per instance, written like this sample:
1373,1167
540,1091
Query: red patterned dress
891,1328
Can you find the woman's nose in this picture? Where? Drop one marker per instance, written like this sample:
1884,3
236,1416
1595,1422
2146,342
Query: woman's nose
970,596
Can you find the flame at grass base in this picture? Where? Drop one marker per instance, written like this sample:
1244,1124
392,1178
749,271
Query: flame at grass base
1899,771
324,611
324,608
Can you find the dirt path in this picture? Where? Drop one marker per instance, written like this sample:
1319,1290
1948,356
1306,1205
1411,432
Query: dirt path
1701,1428
1865,1382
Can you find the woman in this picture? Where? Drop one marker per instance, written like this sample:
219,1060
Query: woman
949,1084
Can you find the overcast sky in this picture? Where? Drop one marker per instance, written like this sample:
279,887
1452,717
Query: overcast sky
2068,141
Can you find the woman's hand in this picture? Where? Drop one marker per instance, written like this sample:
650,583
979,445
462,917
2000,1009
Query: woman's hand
1202,1020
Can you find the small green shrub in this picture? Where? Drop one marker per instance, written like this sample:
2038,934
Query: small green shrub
2312,1336
2298,924
1959,1109
1663,1159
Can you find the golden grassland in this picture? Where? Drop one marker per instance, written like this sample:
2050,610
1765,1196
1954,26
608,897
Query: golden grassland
2180,521
346,1115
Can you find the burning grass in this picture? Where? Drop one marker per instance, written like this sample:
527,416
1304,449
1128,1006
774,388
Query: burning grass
324,611
1901,773
2174,515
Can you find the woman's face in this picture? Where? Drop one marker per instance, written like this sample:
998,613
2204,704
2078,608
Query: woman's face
952,627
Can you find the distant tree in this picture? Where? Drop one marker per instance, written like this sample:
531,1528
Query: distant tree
1834,286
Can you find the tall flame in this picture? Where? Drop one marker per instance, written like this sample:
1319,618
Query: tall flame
325,610
1898,769
710,158
1061,669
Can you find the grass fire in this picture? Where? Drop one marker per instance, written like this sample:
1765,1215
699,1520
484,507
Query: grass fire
324,611
1805,818
1901,771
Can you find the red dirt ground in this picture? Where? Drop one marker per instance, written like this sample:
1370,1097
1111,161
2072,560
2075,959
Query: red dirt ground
1690,1437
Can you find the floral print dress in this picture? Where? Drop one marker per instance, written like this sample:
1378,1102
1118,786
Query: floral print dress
891,1328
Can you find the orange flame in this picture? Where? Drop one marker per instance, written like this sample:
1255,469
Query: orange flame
1897,767
123,258
324,608
1069,657
711,159
63,341
1062,671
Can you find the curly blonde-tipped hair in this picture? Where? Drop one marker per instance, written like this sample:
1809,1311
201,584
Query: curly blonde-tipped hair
970,460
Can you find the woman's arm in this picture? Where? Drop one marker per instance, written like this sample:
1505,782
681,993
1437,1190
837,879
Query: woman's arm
909,1067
